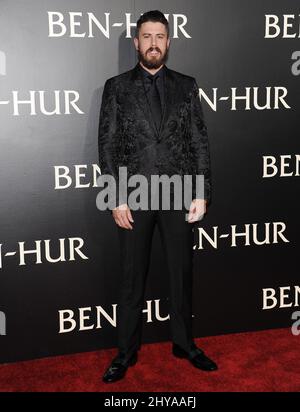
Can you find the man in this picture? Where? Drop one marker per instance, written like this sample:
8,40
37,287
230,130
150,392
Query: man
151,121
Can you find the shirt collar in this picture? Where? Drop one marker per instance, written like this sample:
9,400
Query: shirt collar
161,71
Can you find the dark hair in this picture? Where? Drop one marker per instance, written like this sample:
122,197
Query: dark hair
154,16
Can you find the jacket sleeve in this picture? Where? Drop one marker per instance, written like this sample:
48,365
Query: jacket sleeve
200,143
106,132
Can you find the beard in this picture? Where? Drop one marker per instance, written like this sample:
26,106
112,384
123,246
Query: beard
153,62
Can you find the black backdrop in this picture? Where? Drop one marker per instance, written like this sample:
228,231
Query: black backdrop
48,166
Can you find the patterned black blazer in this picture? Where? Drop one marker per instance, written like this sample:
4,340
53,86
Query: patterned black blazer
128,135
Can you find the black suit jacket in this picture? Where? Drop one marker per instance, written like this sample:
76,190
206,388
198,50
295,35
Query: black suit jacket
128,135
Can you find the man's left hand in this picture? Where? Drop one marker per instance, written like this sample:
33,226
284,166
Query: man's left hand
197,210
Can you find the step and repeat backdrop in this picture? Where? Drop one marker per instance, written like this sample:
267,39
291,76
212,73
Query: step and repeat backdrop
59,255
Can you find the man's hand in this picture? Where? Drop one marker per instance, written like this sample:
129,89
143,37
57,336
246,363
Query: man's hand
197,210
122,216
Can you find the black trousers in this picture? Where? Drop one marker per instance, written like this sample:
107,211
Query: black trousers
135,244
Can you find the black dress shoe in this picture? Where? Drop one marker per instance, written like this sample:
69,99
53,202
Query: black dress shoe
117,369
196,357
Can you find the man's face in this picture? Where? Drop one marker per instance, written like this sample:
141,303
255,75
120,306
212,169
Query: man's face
152,44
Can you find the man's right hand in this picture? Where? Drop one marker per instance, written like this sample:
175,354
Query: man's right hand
122,216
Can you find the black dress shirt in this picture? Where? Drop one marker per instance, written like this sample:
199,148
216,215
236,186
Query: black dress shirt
160,81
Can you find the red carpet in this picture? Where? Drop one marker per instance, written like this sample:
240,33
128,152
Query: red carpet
266,361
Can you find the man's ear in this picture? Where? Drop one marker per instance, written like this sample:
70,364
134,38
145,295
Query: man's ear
136,43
